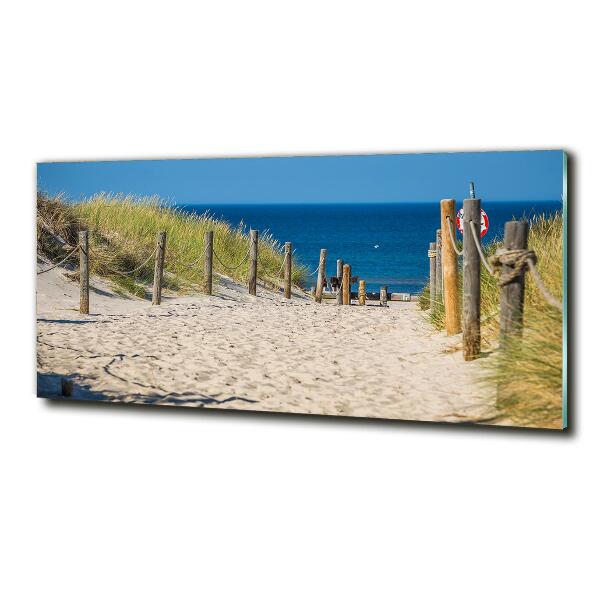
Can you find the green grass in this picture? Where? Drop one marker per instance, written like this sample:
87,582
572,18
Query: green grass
123,232
527,371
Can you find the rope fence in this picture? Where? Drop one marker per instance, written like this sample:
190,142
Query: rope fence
342,282
550,299
518,261
231,268
136,269
514,261
507,266
159,253
485,263
451,235
316,270
58,264
279,273
192,264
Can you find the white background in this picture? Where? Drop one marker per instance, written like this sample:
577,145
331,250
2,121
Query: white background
101,502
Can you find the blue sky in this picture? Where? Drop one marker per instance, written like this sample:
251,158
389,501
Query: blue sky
522,175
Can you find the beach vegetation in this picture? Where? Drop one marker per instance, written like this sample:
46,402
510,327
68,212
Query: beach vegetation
123,229
527,371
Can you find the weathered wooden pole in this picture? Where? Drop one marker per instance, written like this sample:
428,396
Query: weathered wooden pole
512,295
350,283
159,264
84,273
321,275
383,295
346,284
362,293
208,261
471,280
287,271
340,275
252,275
439,277
432,275
450,267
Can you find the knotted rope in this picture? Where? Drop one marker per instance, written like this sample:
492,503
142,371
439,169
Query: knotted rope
519,261
515,260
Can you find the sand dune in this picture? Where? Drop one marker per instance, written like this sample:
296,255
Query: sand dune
235,351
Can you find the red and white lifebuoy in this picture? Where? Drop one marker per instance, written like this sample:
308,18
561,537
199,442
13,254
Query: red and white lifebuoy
485,222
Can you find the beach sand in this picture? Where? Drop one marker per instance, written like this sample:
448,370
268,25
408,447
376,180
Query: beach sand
263,353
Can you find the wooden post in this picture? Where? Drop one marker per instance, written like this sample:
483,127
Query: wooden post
340,276
159,263
471,281
512,295
383,295
287,271
439,278
350,284
362,294
208,261
450,267
84,273
346,284
253,262
320,275
432,275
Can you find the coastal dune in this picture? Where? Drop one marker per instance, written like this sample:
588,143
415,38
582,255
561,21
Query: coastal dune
232,350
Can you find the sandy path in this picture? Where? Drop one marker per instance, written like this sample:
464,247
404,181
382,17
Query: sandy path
263,353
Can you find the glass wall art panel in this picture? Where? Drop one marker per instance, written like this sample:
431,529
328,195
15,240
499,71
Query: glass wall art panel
412,287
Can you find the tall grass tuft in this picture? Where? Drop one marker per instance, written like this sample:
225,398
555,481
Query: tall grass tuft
527,371
123,233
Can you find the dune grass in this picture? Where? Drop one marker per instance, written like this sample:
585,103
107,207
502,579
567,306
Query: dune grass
527,371
123,232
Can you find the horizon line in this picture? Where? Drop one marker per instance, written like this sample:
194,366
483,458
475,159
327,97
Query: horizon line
301,202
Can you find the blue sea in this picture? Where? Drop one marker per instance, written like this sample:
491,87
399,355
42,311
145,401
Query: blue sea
386,244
